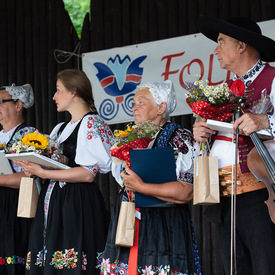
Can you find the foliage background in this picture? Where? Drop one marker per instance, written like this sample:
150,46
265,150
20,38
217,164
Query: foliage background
77,10
33,30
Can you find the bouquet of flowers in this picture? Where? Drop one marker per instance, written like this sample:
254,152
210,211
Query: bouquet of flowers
29,140
33,142
136,136
213,102
2,146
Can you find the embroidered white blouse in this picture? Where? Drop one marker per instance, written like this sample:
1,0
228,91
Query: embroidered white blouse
93,143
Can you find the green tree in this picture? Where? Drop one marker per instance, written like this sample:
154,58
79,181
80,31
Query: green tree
77,10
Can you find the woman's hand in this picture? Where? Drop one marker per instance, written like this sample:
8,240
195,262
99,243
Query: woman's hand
202,132
174,191
132,181
73,175
29,168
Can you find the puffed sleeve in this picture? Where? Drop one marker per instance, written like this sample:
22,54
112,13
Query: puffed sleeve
186,149
93,144
117,168
119,165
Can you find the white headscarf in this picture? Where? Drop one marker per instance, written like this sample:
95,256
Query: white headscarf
162,92
23,93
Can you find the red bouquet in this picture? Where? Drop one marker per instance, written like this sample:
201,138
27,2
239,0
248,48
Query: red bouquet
136,136
122,152
214,102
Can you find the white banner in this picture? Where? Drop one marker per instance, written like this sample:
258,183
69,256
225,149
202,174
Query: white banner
115,73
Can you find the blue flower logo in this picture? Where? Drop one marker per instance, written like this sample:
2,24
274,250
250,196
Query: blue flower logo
119,78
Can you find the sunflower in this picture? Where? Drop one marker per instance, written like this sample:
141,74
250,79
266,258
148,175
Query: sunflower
2,146
37,140
121,134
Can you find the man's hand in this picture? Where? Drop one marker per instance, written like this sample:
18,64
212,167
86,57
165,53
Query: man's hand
249,123
202,132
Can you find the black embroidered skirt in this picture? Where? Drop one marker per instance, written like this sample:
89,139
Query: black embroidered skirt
75,230
14,234
167,243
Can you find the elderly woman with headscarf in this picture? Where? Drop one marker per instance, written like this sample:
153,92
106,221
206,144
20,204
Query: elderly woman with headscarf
14,231
166,237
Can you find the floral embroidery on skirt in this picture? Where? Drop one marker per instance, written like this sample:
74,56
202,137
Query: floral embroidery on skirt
68,259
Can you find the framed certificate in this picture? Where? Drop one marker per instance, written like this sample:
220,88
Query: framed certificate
5,166
44,161
220,126
228,128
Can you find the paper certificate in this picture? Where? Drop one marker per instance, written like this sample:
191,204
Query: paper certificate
44,161
5,166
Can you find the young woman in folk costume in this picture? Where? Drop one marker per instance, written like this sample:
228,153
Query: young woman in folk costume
70,224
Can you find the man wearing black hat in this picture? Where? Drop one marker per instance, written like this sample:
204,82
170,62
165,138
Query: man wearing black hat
242,49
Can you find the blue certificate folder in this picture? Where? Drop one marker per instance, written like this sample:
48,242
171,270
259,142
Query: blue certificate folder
153,166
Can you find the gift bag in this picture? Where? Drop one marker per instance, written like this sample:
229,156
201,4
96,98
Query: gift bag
126,224
28,197
206,189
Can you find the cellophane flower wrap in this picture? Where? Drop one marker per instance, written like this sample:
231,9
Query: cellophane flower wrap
213,102
136,136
